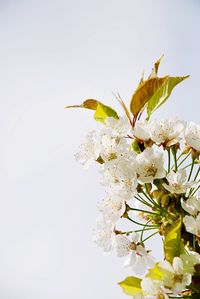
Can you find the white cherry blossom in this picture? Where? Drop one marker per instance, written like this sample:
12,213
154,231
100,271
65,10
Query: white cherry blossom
120,175
150,166
104,236
177,182
138,257
154,289
192,136
89,150
174,276
192,224
141,130
112,208
192,204
116,127
189,260
166,131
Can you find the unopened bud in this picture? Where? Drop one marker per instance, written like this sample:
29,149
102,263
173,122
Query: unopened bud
164,200
135,146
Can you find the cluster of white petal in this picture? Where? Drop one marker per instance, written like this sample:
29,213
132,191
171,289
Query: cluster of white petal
192,221
150,166
138,258
174,278
192,136
126,172
169,132
177,182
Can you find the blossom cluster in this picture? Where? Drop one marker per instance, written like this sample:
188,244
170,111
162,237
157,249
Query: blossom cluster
151,171
133,165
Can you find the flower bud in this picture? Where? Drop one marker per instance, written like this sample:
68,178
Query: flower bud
164,200
135,146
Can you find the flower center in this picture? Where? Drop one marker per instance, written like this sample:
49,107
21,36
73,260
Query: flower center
132,246
151,170
178,277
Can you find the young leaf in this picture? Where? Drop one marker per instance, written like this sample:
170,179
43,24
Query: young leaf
154,71
162,93
131,286
101,111
88,104
173,245
144,93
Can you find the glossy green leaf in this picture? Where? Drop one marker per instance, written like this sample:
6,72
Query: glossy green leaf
173,245
162,93
131,286
101,111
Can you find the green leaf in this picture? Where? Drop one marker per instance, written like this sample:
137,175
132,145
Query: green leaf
131,286
153,92
155,273
101,111
88,104
144,93
162,93
173,245
154,71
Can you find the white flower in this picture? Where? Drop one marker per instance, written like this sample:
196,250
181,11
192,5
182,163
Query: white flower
177,182
108,142
141,130
166,131
89,150
154,289
137,257
120,175
189,260
112,209
104,236
116,127
150,166
192,224
192,204
174,276
192,136
111,148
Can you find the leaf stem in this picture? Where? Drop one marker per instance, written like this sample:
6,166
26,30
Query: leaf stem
191,169
183,159
148,196
139,198
143,230
169,159
139,223
195,190
144,211
175,158
196,175
150,236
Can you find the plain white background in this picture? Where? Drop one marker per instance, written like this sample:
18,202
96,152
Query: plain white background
56,53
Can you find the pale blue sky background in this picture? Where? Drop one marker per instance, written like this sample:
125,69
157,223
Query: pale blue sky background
55,53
